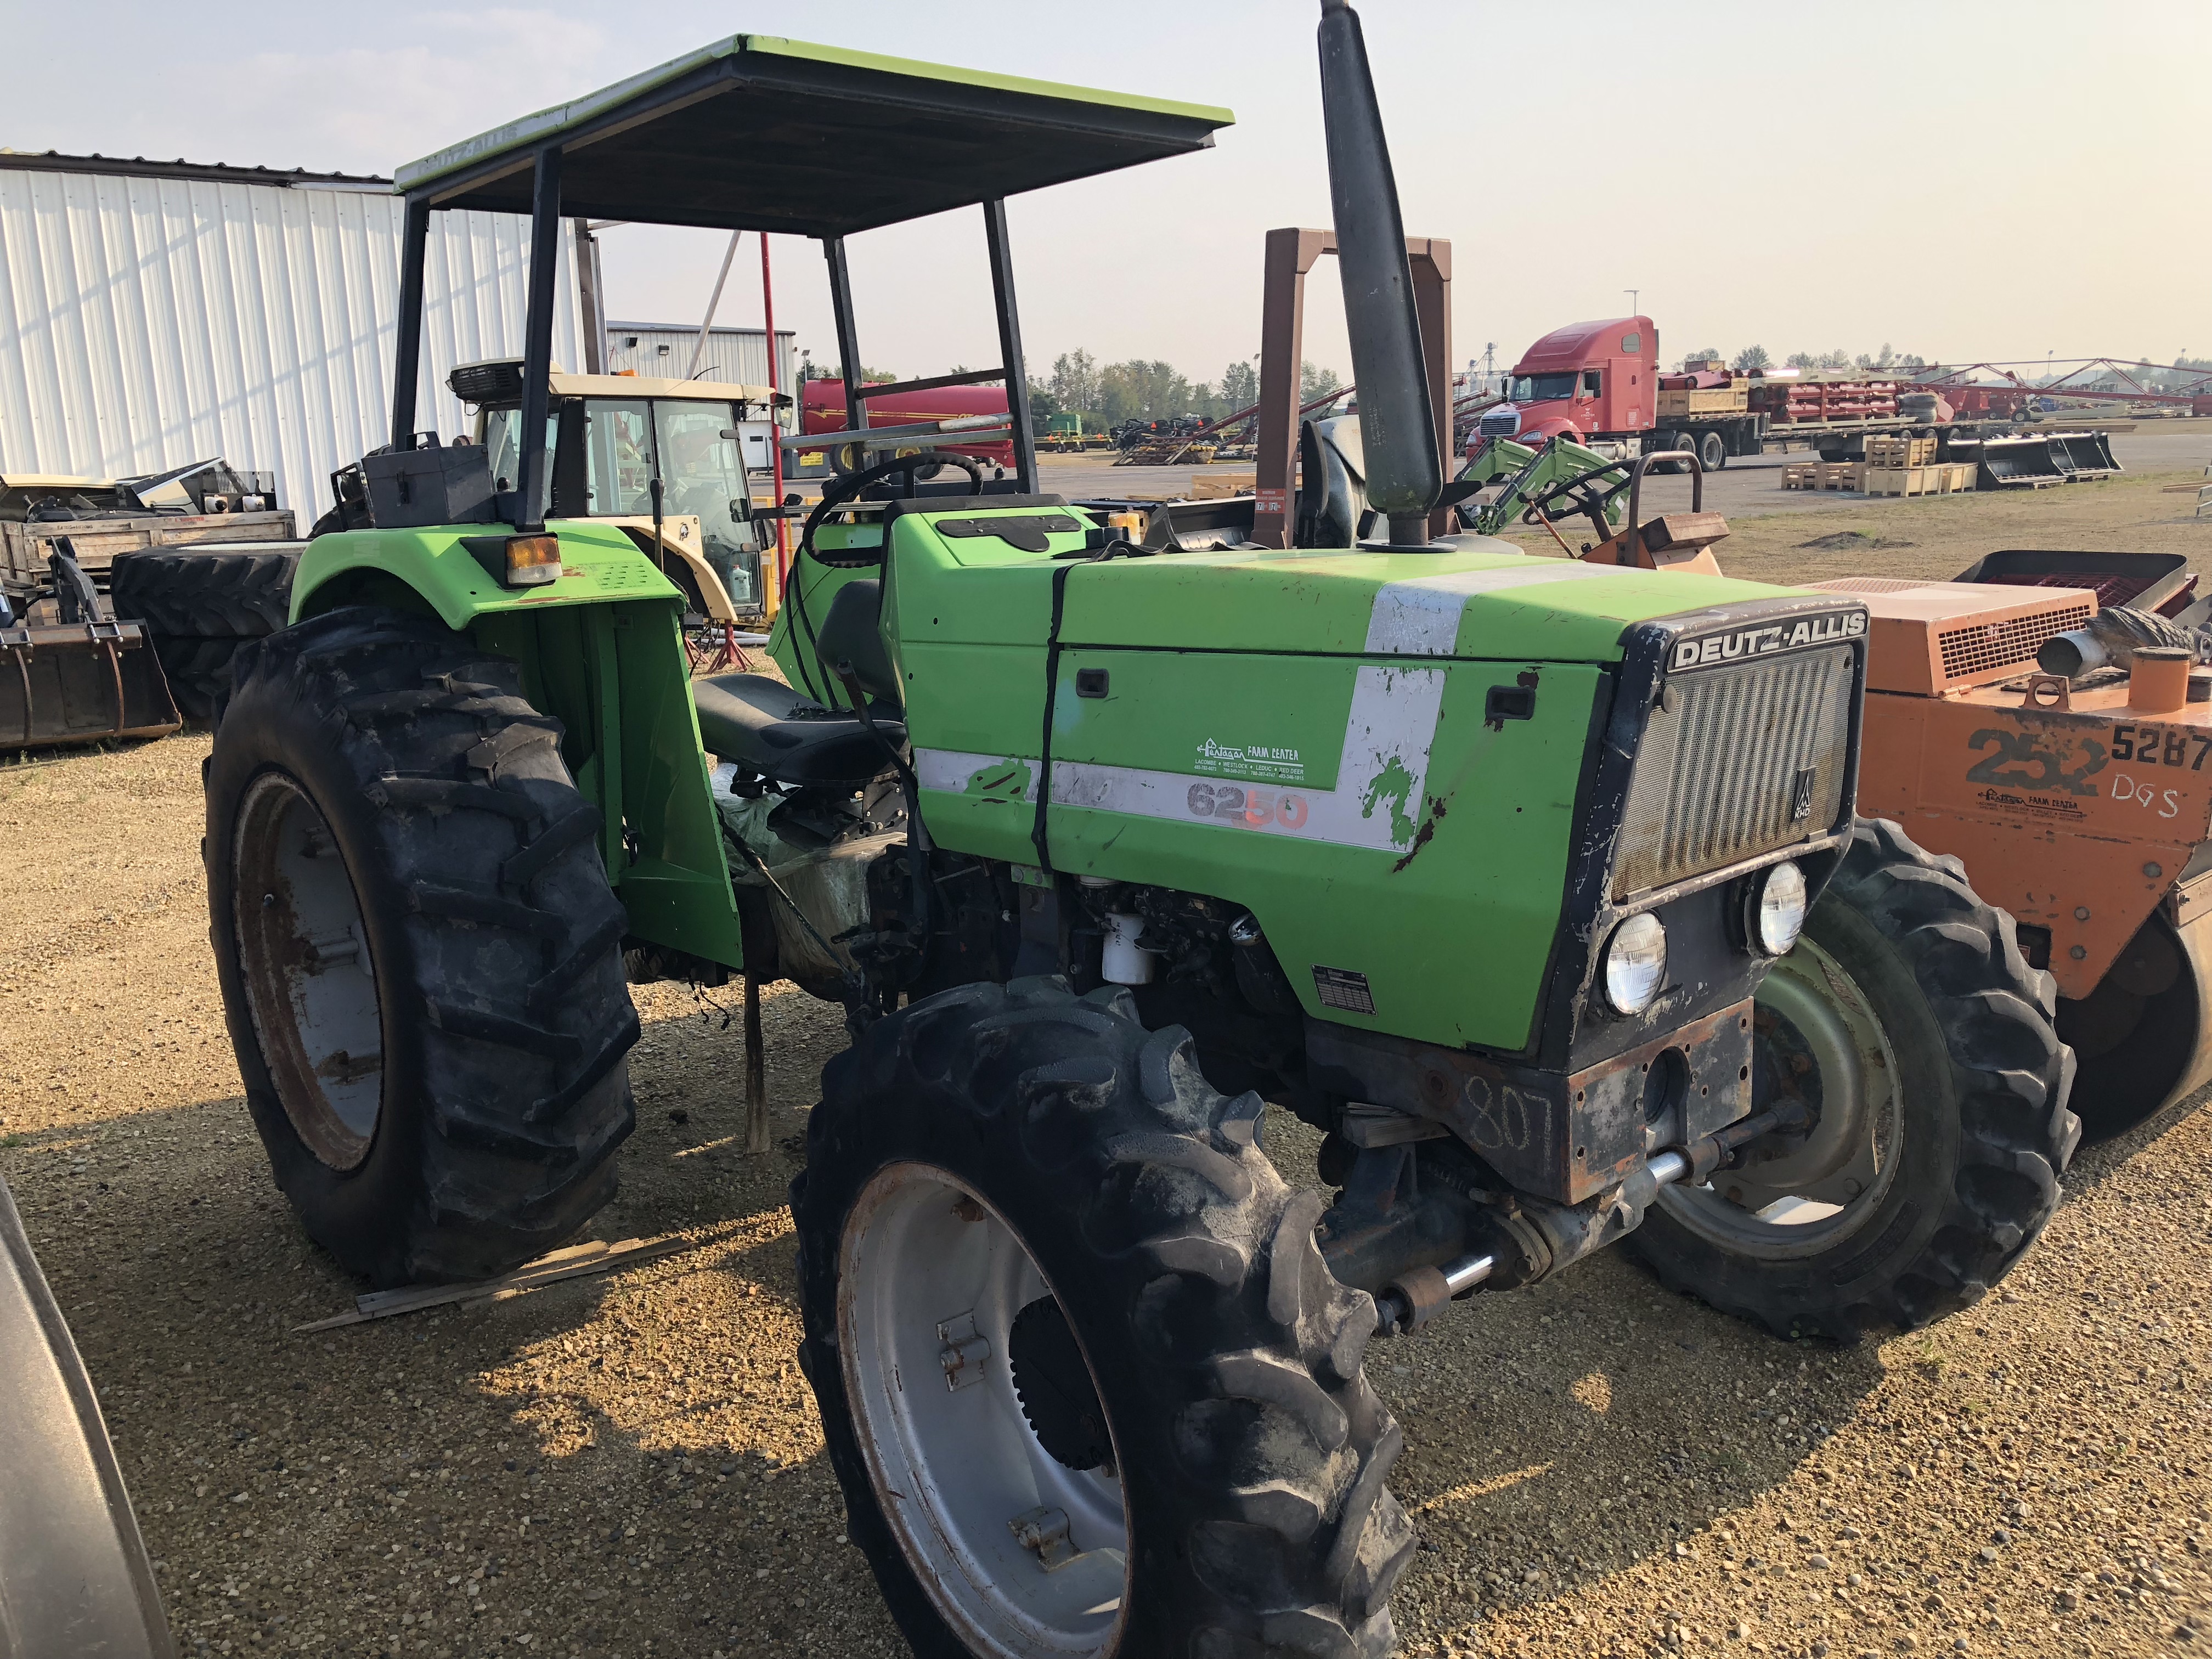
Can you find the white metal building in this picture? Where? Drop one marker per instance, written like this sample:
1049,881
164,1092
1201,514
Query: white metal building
737,357
156,312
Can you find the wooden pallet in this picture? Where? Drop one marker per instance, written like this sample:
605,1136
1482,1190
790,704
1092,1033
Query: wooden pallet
1821,475
1946,480
1890,452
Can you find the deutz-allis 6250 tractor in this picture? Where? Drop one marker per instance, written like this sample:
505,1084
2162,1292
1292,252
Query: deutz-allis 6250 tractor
1478,862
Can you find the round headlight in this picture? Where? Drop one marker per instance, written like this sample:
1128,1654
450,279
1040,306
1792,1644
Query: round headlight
1779,915
1636,963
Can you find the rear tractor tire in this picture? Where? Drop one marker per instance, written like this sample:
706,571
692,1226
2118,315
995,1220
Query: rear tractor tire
1908,1019
419,952
198,608
1086,1382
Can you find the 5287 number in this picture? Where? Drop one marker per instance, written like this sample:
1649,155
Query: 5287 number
2160,745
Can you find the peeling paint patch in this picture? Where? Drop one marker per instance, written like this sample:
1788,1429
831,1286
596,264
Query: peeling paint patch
1392,787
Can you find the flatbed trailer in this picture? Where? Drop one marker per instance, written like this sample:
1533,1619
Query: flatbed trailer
1600,385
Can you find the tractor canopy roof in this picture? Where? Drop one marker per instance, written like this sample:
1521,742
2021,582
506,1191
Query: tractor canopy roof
755,132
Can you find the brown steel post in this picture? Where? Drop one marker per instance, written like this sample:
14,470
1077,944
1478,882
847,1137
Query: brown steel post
1431,258
756,1072
1291,254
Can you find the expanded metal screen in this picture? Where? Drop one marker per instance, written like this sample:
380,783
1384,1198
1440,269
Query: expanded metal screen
1978,648
1736,761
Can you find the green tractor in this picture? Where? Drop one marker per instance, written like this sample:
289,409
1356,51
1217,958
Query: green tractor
1474,861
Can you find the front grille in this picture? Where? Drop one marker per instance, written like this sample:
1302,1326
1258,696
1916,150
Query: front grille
1981,648
1724,766
1501,423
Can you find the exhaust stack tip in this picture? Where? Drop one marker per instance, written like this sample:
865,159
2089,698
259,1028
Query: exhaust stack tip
1397,423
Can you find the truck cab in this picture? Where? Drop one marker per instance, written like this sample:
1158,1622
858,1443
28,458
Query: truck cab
1581,381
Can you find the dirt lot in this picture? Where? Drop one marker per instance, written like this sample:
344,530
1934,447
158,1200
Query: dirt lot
631,1465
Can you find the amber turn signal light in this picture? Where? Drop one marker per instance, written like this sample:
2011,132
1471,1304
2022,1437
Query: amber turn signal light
532,560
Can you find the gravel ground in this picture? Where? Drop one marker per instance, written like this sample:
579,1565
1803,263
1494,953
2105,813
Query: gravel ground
630,1464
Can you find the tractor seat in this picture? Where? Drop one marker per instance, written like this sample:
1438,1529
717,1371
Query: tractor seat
781,733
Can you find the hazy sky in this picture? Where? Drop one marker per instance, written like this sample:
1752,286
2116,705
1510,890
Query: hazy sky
1956,178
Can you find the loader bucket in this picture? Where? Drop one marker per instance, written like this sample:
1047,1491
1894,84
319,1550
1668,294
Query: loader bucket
79,682
2085,455
2016,461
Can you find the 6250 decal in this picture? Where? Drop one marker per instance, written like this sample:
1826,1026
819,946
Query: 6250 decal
1228,803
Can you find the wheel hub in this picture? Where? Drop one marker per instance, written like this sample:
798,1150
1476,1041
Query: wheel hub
1054,1384
1816,1038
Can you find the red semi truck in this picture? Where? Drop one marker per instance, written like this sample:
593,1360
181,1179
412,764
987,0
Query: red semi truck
1601,384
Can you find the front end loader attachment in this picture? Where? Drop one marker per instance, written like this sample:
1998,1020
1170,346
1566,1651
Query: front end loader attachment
2085,455
2008,463
2053,458
81,677
80,682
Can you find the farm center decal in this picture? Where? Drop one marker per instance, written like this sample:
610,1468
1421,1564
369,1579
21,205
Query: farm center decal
1769,641
1253,761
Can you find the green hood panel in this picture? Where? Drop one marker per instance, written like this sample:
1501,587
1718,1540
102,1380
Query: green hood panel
1484,599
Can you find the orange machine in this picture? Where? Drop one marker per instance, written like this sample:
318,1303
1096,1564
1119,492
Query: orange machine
2083,807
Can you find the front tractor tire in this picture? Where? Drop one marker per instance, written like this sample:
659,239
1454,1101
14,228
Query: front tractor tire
419,952
1086,1382
1909,1022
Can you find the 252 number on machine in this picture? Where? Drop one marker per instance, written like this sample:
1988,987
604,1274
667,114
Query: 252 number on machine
2160,745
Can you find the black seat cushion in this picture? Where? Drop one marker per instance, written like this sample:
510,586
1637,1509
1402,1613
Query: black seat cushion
787,735
852,632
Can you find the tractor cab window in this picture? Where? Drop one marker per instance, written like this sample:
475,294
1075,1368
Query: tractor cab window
617,458
503,454
1540,388
1589,382
702,472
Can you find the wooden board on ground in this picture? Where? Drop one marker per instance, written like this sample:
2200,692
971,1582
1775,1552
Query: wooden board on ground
1218,486
574,1262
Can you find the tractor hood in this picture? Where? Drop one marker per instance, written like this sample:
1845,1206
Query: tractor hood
1474,596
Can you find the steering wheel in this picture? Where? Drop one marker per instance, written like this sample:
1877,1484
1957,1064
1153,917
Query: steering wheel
1588,494
840,490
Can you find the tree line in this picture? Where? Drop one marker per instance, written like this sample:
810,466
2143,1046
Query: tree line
1107,395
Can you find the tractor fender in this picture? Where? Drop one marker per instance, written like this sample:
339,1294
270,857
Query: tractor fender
600,563
73,1576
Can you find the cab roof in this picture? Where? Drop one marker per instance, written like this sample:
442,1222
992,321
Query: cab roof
755,132
1577,343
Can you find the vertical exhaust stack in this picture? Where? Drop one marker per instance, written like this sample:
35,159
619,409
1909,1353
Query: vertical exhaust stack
1397,428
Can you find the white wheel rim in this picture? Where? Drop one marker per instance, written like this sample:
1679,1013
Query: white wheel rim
953,1468
310,983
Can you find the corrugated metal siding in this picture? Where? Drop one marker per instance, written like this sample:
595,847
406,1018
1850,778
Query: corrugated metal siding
145,323
737,357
